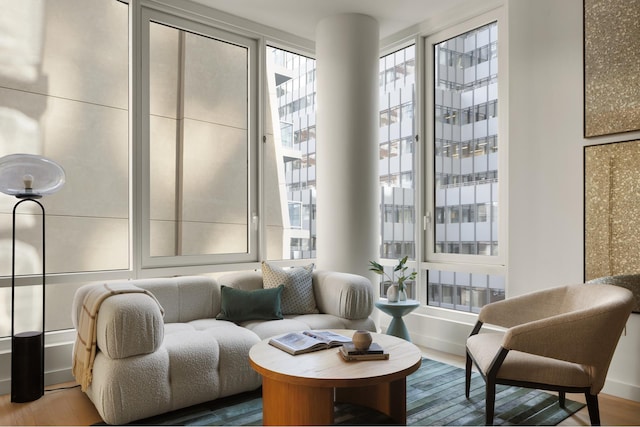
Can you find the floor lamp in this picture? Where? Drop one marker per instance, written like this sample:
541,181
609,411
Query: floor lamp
28,177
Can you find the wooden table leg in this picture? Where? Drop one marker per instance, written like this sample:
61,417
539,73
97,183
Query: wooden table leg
389,398
290,404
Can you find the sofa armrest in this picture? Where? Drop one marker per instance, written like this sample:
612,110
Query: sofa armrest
345,295
127,325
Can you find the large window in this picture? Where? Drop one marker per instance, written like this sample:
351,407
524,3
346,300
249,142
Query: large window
167,172
397,138
463,169
202,196
290,160
466,143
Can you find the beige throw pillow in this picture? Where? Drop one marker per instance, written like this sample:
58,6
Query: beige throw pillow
297,296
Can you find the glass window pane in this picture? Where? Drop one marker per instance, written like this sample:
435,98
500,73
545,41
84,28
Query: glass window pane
290,168
198,144
466,122
465,167
397,133
28,301
463,291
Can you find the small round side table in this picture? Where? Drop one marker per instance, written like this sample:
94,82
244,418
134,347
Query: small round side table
396,310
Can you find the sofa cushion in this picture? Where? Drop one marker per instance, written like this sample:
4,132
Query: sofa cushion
238,305
298,296
274,327
184,298
345,295
247,280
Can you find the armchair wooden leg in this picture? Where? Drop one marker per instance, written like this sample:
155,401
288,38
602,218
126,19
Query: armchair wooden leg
490,394
594,410
490,398
562,398
467,377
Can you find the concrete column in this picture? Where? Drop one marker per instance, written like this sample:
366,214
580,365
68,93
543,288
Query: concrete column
348,226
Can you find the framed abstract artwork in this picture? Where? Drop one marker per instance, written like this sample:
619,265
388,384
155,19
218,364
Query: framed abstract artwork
611,66
612,209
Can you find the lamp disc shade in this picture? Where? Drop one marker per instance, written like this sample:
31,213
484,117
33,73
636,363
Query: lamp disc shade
28,175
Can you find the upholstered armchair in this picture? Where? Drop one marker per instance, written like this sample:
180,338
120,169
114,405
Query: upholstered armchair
560,339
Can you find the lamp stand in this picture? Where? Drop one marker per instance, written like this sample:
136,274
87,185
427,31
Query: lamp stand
27,348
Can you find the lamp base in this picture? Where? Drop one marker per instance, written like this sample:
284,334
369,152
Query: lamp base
27,367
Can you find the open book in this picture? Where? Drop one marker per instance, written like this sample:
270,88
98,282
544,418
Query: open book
307,341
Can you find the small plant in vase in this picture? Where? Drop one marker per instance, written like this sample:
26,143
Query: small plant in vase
397,289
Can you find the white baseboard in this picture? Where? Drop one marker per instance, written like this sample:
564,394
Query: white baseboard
623,390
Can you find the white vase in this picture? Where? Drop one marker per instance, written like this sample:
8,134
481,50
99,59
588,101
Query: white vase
393,293
402,294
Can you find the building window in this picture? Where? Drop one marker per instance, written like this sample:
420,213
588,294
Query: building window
462,173
463,291
295,214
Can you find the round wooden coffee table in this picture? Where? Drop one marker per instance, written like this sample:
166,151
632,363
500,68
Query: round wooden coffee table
302,389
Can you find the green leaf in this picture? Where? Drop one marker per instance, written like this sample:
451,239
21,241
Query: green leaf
375,267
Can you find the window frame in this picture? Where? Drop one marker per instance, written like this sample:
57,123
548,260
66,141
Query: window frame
431,258
140,125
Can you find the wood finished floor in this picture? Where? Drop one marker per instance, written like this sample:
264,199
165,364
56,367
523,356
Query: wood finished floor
71,407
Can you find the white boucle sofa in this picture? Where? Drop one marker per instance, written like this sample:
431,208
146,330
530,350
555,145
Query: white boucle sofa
148,363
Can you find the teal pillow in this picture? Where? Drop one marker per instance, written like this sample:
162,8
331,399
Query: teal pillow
238,305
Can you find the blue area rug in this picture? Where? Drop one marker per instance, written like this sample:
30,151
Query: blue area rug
435,397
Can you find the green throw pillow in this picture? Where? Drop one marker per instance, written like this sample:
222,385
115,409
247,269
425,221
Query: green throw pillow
238,305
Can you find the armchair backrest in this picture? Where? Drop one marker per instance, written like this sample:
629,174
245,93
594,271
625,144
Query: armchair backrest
629,281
